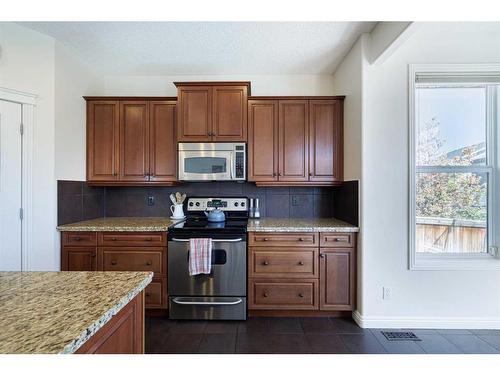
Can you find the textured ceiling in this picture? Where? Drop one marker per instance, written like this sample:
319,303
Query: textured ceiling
168,48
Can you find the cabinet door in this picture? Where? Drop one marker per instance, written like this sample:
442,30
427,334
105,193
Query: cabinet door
102,140
134,141
229,113
325,140
293,140
79,259
337,279
263,140
195,114
162,145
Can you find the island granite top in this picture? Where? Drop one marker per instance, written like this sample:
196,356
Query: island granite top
56,312
269,224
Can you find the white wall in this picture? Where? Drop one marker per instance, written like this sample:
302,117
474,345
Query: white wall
72,81
261,84
420,298
27,64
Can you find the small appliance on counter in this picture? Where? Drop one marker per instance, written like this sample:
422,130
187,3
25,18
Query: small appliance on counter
222,294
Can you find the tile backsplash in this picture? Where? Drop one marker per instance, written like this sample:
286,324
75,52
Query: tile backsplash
77,201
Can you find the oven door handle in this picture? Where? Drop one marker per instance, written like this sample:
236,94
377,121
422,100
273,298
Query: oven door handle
220,303
225,240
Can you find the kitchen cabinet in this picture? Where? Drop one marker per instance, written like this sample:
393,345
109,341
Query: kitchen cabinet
103,140
263,145
120,251
295,141
293,272
212,111
131,141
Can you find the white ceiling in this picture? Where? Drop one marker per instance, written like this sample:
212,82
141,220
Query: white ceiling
169,48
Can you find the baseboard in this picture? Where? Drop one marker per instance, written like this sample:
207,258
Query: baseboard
425,322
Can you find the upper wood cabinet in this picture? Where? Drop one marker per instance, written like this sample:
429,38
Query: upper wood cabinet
131,142
212,111
162,143
103,140
295,141
263,140
325,140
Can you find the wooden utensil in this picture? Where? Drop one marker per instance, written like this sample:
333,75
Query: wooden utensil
183,198
172,198
178,197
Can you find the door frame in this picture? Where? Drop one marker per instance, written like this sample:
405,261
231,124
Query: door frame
28,102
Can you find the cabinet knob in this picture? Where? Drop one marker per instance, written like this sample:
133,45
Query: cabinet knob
148,294
279,174
265,239
301,239
301,263
114,262
148,263
113,238
274,174
265,294
93,255
301,295
310,174
77,238
148,239
265,263
321,255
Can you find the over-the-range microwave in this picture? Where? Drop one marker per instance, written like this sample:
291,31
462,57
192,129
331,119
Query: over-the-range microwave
212,161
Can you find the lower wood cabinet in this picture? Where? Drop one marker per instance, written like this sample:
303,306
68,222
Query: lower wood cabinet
120,251
302,271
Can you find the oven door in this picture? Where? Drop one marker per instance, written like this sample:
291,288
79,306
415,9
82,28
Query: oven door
207,165
229,269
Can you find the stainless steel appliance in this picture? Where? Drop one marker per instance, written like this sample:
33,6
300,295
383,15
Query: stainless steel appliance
223,293
212,161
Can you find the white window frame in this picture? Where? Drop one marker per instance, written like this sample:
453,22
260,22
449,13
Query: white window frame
456,261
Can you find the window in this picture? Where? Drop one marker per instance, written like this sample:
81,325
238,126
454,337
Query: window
453,115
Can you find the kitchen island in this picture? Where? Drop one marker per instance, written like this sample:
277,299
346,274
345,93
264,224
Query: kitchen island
72,312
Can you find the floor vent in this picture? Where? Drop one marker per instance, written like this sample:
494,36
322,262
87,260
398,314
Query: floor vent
400,336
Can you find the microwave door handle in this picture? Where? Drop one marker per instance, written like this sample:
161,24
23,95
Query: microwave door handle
231,166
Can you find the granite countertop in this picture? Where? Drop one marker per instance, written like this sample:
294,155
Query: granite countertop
120,224
56,312
269,224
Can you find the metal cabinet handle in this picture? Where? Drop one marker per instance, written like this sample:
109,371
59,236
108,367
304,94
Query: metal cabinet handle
114,262
148,294
148,263
148,239
301,295
181,302
113,238
265,263
265,239
321,255
301,239
301,263
77,238
265,294
221,240
93,255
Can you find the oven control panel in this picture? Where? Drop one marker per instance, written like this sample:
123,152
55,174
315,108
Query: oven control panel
225,204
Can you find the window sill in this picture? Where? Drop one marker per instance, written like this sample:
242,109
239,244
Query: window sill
454,263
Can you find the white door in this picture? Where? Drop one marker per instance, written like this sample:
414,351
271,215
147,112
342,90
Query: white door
10,186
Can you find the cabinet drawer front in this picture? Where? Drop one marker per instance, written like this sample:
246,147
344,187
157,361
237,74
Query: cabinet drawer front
280,262
154,294
284,294
337,239
133,260
79,239
132,239
283,239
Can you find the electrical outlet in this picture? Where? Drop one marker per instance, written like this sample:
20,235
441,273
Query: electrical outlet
295,200
151,200
386,293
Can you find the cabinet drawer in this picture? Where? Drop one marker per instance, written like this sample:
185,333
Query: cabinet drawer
154,295
281,262
133,260
282,294
283,239
79,239
337,239
132,239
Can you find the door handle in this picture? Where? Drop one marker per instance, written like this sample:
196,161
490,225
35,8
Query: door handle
221,240
114,262
214,303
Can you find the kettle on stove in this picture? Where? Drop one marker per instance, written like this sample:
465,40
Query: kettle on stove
215,216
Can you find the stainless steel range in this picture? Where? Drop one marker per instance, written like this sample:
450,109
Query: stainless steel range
222,294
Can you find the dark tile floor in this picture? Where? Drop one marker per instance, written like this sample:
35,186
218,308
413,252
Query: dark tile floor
305,335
